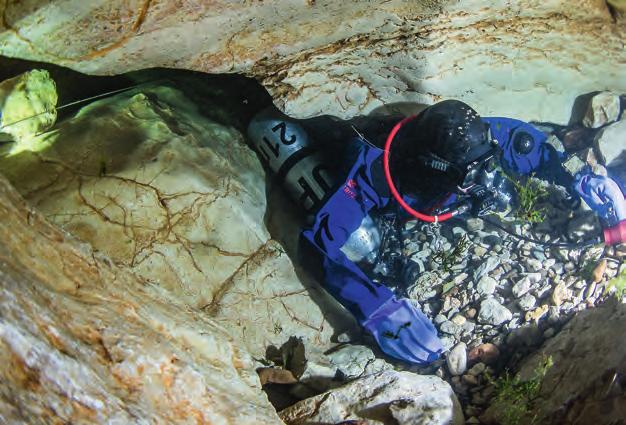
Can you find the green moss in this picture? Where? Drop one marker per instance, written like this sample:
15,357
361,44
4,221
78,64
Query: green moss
529,195
619,283
513,400
28,104
446,258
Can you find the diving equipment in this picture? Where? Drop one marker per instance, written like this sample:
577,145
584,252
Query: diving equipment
363,244
287,150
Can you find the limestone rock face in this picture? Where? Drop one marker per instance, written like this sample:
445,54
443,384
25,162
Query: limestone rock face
179,199
85,341
388,397
584,385
525,58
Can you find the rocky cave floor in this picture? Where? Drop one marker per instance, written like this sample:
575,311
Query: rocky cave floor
493,297
503,297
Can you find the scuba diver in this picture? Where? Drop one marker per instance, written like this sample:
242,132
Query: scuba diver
444,162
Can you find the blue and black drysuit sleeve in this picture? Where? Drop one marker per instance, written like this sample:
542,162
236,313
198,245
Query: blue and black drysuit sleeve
340,216
537,157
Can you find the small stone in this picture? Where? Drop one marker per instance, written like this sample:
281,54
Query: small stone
343,337
548,262
480,251
450,304
558,268
458,279
493,313
560,294
486,285
447,341
539,255
439,319
603,108
538,313
583,227
470,380
556,143
486,353
591,289
457,359
474,224
533,264
458,232
471,313
521,287
573,165
527,302
487,266
450,328
468,327
477,369
458,319
542,290
598,272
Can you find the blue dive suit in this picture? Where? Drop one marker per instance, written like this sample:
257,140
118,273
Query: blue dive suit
364,189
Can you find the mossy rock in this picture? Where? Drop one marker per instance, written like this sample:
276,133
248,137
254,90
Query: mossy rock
28,105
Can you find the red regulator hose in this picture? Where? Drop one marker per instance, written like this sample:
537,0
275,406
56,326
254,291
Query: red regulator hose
392,187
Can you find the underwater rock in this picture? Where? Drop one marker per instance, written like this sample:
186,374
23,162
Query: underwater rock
83,340
27,106
583,226
405,398
456,359
493,313
178,198
521,287
355,361
609,144
486,267
344,58
583,384
536,314
486,285
603,108
527,302
560,294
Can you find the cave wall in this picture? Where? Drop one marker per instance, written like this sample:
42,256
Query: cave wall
527,59
83,340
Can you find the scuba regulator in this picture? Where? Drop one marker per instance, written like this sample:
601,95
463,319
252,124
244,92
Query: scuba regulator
482,189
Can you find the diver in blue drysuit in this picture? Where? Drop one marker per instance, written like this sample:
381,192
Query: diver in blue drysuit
398,326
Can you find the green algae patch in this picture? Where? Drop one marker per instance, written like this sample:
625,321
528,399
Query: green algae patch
28,106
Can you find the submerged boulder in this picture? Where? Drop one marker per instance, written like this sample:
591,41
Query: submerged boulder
179,200
584,384
83,340
524,59
27,106
387,397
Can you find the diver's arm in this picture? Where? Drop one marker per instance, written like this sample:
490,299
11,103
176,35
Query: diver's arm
399,328
340,216
525,151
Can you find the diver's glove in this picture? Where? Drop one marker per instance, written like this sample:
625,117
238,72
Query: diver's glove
603,196
404,332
